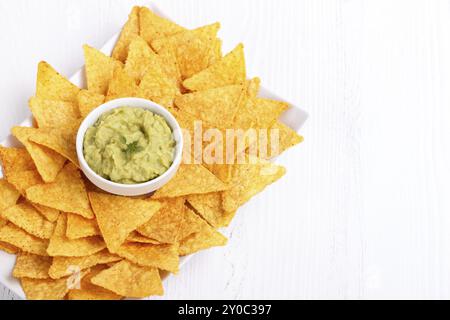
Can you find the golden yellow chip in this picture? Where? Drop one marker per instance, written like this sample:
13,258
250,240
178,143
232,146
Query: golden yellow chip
228,71
32,266
217,106
26,217
248,180
8,248
67,193
88,101
79,227
190,179
121,86
165,224
49,213
53,113
138,238
129,32
49,289
22,180
285,138
153,27
191,224
22,240
53,86
14,160
89,291
210,208
60,141
47,161
141,58
129,280
64,266
117,216
195,49
169,60
8,195
162,256
99,69
62,246
207,238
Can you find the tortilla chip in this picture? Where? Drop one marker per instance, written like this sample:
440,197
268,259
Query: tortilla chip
62,266
62,246
58,140
49,289
248,180
89,291
15,159
163,256
88,101
22,180
191,224
217,106
129,280
52,113
141,58
26,217
228,71
52,86
129,32
22,240
138,238
8,248
190,179
99,69
48,162
209,206
8,195
121,86
168,56
32,266
79,227
207,238
67,193
117,216
49,213
165,224
287,138
195,49
153,27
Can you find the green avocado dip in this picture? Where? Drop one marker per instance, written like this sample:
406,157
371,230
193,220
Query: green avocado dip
129,146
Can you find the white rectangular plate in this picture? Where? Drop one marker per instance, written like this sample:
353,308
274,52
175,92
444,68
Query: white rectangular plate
294,118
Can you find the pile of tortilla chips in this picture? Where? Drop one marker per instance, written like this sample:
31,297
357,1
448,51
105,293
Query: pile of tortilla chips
74,241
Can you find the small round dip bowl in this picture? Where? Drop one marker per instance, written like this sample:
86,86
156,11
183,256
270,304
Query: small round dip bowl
130,189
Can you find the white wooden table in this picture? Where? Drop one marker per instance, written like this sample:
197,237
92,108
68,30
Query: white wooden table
364,211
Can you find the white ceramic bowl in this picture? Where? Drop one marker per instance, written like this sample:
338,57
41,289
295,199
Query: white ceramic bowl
132,189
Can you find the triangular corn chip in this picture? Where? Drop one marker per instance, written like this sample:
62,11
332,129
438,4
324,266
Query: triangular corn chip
140,59
121,86
165,224
32,266
26,217
47,161
54,114
162,256
61,265
53,86
49,213
217,106
67,193
99,69
248,180
207,238
281,135
117,216
14,160
228,71
22,240
79,227
192,223
8,195
209,207
88,101
190,179
154,27
129,280
61,246
22,180
129,32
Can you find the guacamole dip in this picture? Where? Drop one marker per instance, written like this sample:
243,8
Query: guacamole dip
129,145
